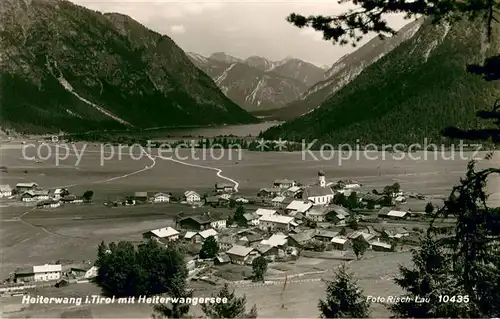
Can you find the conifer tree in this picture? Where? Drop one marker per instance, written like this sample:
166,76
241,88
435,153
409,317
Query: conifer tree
235,307
344,299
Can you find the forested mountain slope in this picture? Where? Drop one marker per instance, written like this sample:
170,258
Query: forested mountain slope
65,67
412,93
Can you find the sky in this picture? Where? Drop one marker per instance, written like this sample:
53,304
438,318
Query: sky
241,28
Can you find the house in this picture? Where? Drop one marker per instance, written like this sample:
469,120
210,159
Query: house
340,243
189,236
278,201
205,221
269,192
24,187
72,199
300,239
38,273
49,203
222,259
276,240
268,251
396,233
337,214
60,192
318,213
381,246
5,191
319,194
275,222
284,183
203,235
374,199
141,196
252,219
212,201
294,192
35,195
400,199
198,222
250,239
348,184
166,233
265,212
81,270
224,188
240,254
225,242
192,197
299,206
367,237
225,196
161,198
325,235
386,212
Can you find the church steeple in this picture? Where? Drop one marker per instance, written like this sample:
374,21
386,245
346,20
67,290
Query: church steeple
321,179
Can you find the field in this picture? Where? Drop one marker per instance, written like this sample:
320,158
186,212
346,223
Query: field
73,232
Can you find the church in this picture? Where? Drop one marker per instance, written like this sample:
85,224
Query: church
319,194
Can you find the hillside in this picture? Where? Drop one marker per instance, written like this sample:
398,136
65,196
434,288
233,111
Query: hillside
410,94
257,83
343,72
65,67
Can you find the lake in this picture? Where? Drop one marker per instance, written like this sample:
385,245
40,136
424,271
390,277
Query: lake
236,130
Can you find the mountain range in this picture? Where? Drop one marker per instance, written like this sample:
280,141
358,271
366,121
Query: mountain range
257,83
409,94
65,67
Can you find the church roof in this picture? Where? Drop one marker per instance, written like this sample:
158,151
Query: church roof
315,191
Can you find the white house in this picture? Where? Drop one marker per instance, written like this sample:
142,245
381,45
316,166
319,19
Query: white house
59,192
319,194
47,272
35,195
166,233
161,198
275,222
278,201
265,212
5,191
284,183
218,223
241,254
192,197
49,203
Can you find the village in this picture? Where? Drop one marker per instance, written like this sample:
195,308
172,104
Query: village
282,223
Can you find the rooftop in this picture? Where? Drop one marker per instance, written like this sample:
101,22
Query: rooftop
339,240
396,213
299,205
315,191
238,250
276,219
250,216
326,233
278,199
30,184
164,232
47,268
208,232
275,240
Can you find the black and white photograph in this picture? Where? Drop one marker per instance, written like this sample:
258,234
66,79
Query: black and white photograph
209,159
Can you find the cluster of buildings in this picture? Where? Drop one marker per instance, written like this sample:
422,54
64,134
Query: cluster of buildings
53,272
30,192
280,230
